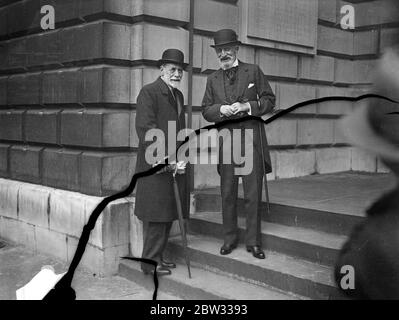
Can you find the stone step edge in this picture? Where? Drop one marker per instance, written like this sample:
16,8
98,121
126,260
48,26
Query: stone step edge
179,284
267,229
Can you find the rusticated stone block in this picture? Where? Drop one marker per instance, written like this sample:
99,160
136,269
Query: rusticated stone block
363,161
105,173
95,41
208,55
25,163
328,10
333,107
16,54
289,95
277,63
294,163
51,242
197,51
41,125
106,85
9,198
344,71
11,124
158,38
62,87
4,153
136,234
388,38
95,128
175,10
23,15
65,10
365,42
24,89
376,12
315,131
3,90
3,21
112,226
33,205
282,132
133,137
333,160
317,68
18,232
381,167
215,15
89,36
93,7
61,168
363,71
199,85
339,136
67,212
334,40
44,49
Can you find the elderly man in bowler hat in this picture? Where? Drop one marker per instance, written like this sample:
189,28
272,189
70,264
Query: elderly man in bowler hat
158,104
235,90
372,251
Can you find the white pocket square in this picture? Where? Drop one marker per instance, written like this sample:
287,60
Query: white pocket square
250,85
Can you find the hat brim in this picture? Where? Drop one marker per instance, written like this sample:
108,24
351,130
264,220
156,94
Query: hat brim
356,128
225,44
164,61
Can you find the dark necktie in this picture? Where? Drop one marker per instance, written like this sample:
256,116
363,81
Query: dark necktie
231,74
175,95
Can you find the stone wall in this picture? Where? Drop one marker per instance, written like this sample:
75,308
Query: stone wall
67,98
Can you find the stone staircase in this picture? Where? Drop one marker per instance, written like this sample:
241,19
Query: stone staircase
310,219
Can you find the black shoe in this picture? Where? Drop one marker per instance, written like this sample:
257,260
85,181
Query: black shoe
257,251
169,265
161,271
227,248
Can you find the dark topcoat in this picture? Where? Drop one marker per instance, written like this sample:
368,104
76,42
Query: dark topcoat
260,96
155,199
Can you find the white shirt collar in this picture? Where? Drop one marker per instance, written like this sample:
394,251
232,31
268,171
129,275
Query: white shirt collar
235,64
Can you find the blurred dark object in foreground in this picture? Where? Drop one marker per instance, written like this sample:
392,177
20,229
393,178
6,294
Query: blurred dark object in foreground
373,247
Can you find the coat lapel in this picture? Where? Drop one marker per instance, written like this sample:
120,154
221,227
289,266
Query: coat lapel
219,83
167,93
243,76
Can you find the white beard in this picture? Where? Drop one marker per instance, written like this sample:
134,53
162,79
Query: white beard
173,84
226,64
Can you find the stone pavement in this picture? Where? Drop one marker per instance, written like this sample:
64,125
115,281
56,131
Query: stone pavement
18,265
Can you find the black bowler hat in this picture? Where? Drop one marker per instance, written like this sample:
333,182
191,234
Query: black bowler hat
225,37
173,56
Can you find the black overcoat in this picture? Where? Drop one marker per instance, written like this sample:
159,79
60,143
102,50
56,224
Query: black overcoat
252,87
156,106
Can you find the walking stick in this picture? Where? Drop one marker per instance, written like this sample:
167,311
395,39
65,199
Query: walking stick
243,100
181,221
264,170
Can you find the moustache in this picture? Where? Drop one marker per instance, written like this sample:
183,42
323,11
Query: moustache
225,58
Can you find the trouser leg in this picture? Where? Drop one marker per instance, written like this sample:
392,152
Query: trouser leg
229,189
252,184
155,238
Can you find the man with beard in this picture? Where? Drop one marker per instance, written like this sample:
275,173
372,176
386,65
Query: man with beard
159,105
239,89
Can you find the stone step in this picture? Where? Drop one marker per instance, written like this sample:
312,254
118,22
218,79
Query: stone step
204,284
332,203
279,271
312,245
331,222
